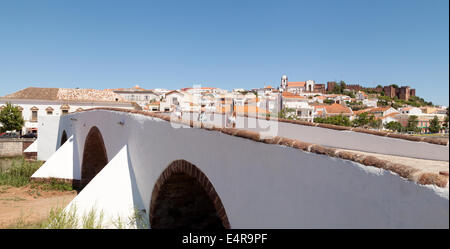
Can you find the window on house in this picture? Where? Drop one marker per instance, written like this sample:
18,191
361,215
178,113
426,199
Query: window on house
33,115
64,112
166,109
49,112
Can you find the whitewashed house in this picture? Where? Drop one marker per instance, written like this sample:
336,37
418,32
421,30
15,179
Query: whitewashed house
138,95
410,110
171,101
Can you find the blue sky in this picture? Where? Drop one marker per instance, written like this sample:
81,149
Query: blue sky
226,44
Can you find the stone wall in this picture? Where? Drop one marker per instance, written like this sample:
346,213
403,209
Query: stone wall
10,147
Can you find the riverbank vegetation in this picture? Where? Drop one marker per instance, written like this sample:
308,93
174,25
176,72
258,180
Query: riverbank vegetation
19,171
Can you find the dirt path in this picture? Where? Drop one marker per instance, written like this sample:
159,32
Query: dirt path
29,205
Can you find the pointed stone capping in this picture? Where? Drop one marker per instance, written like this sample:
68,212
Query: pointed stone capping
371,132
229,131
401,136
299,122
435,140
444,173
402,170
334,127
286,141
346,155
360,158
322,150
373,161
271,140
248,134
301,145
432,178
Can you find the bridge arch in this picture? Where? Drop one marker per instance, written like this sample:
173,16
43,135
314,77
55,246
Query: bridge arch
183,197
94,156
63,138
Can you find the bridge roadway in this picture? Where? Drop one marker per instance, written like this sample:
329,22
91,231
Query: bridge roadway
132,162
425,157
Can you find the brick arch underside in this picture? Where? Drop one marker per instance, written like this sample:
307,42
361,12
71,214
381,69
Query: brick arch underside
183,197
63,138
94,156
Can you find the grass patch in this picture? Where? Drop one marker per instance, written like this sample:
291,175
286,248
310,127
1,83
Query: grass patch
18,175
52,184
20,172
58,218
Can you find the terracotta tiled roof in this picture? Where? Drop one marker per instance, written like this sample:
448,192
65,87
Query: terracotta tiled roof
337,108
380,109
242,109
35,93
174,91
91,95
296,84
372,110
389,115
362,111
291,95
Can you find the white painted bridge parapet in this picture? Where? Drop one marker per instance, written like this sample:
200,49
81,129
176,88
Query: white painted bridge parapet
243,180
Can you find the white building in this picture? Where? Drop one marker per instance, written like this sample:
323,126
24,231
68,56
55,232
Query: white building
138,95
171,101
34,102
370,102
410,111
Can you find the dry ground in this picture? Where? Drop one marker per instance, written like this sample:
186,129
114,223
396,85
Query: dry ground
29,205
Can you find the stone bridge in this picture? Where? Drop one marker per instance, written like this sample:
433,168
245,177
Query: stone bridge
182,173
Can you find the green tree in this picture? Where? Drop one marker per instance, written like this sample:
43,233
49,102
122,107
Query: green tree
361,120
328,101
394,85
335,120
435,127
393,126
287,113
11,118
412,123
375,123
445,124
343,85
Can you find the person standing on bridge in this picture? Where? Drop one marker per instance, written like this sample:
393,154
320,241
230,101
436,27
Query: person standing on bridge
202,116
231,119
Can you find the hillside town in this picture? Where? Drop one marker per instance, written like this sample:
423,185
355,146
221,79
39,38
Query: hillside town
391,108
